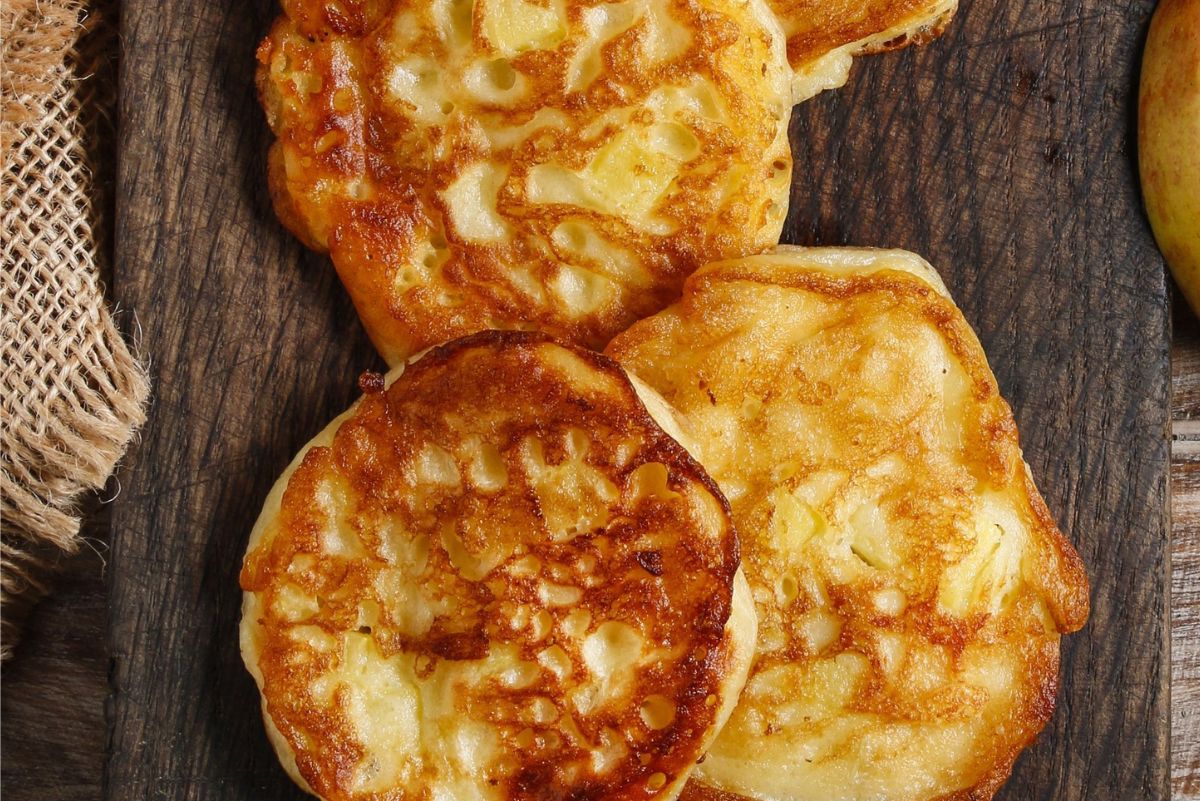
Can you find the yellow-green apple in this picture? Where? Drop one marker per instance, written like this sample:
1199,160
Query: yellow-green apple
1169,138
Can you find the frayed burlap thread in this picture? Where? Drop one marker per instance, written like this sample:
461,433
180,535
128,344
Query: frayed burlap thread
71,393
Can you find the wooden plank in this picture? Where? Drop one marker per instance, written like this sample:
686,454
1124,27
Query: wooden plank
1002,153
1185,631
1185,556
54,688
255,348
1185,371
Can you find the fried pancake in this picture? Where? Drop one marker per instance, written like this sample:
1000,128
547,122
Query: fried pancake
910,584
496,577
550,164
824,36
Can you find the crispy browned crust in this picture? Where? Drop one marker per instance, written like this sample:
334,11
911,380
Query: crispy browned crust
1031,718
817,27
363,175
661,561
996,439
284,203
921,35
675,353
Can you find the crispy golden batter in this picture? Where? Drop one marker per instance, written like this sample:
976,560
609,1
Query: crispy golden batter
910,583
824,36
558,164
497,578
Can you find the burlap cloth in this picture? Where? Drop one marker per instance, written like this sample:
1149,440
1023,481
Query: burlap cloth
72,393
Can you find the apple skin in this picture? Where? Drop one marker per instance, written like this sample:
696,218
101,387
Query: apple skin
1169,138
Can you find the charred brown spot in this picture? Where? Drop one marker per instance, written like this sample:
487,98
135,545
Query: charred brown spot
460,646
713,614
370,382
651,562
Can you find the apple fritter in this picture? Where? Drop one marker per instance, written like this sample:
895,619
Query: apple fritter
550,164
910,584
824,36
496,577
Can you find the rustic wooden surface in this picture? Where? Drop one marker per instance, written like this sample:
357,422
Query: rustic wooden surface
1002,153
54,689
62,665
256,348
1185,557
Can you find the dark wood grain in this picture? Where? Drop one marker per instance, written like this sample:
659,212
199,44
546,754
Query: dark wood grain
1185,555
1185,370
255,348
1002,153
55,687
1185,606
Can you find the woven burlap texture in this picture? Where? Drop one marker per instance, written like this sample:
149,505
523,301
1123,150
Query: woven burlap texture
72,393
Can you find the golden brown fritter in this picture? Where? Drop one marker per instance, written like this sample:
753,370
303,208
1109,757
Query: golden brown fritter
550,164
824,36
910,584
496,578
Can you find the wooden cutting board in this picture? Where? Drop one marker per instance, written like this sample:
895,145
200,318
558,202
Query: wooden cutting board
1003,153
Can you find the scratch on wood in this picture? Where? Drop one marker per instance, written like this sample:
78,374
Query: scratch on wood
1031,32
